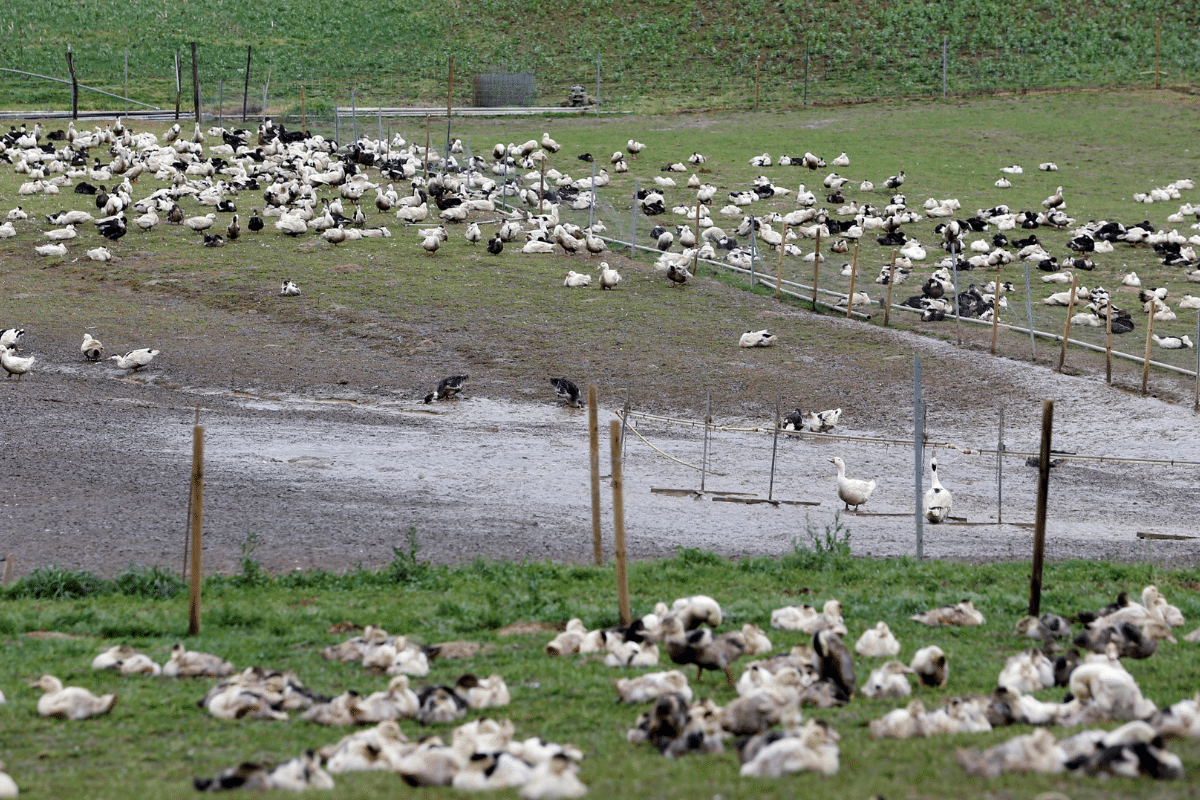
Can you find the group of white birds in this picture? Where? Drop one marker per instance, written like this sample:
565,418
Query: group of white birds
482,754
773,690
91,348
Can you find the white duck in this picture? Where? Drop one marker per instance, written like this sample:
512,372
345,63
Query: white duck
135,359
938,500
91,348
14,364
576,279
609,277
763,338
71,702
851,491
52,249
100,254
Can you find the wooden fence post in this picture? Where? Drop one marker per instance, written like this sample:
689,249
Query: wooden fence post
1062,353
1039,526
1149,339
74,84
1108,343
197,503
853,275
246,87
816,269
594,451
196,83
887,309
614,433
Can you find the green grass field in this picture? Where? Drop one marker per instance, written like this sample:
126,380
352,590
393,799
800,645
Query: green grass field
156,740
694,55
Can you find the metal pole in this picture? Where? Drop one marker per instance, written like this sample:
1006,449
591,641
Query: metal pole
696,234
887,308
1149,339
918,451
354,115
1000,470
304,111
1196,404
449,109
1039,525
1108,343
753,254
379,119
774,449
597,84
1157,42
816,269
178,85
633,238
757,73
996,294
197,505
614,433
264,104
782,247
594,452
1029,315
592,203
126,80
246,88
957,316
221,103
853,275
707,422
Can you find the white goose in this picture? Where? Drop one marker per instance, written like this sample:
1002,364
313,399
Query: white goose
763,338
938,500
14,364
135,359
608,277
851,491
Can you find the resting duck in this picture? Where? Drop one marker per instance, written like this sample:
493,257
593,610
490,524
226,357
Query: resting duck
763,338
71,702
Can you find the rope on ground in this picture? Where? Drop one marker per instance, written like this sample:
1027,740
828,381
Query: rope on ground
638,434
970,451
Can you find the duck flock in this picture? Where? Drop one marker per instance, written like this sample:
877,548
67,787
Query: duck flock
766,724
772,737
300,185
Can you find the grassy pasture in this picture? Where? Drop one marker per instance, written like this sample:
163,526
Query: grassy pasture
694,55
156,740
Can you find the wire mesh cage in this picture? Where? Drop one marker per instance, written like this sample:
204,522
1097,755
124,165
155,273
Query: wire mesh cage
501,89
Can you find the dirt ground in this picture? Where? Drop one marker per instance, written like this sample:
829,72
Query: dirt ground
316,441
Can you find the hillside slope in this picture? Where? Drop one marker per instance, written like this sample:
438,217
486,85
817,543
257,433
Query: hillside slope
684,54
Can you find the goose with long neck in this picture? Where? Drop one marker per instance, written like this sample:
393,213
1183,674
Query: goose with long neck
938,500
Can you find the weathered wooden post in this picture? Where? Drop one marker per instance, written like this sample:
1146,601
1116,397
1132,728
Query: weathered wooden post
1149,340
1039,525
618,486
853,275
887,308
1062,353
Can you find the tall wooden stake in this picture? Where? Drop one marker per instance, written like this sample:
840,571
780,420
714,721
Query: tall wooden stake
178,84
1157,44
246,87
303,111
887,307
594,450
1039,525
618,486
196,83
197,503
1062,353
425,169
1108,343
696,255
1149,339
853,275
542,187
8,562
816,269
74,84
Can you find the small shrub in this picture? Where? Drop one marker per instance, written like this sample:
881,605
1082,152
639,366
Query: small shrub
153,583
404,567
252,571
53,583
822,549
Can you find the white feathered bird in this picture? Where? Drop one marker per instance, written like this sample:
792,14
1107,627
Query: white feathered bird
938,500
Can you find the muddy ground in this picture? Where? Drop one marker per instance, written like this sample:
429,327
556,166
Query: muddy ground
316,441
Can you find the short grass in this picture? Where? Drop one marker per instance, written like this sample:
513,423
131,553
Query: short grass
156,740
692,55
